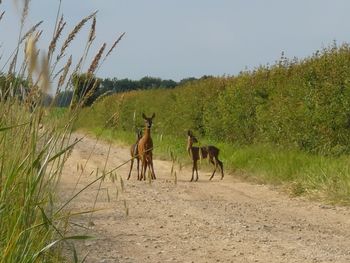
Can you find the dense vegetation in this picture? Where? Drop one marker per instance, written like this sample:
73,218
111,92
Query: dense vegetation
110,86
297,104
35,143
300,105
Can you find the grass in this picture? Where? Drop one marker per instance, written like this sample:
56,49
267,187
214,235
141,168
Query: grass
300,173
31,161
326,177
35,143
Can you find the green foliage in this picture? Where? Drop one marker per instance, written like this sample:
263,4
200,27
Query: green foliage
289,122
85,86
10,83
35,143
31,161
63,99
298,104
109,86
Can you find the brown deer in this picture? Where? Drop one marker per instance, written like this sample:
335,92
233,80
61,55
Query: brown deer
145,147
134,153
196,153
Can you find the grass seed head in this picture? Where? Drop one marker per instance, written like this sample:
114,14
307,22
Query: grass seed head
31,54
97,59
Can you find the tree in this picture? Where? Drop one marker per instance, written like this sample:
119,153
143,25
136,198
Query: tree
64,98
149,82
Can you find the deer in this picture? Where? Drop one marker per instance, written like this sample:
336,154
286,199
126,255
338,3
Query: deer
145,148
135,155
196,153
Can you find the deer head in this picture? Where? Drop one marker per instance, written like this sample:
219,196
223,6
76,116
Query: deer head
148,121
190,141
191,138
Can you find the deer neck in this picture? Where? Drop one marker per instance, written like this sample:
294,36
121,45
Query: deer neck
147,133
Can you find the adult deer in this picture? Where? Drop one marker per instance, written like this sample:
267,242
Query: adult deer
145,147
196,153
134,153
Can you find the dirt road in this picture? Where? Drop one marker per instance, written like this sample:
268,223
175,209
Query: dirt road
217,221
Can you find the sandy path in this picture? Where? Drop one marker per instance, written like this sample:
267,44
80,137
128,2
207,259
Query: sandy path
218,221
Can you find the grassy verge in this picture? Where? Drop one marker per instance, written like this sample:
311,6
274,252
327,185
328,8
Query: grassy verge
35,142
300,173
31,160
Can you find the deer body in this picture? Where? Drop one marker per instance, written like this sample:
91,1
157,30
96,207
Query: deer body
134,153
145,148
211,152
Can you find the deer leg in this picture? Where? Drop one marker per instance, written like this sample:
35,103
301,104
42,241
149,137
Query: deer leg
149,170
221,168
193,167
152,170
131,164
140,178
145,170
196,166
216,166
138,168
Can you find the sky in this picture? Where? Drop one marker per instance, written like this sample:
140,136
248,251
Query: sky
176,39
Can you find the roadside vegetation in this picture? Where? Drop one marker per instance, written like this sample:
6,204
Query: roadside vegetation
288,123
35,141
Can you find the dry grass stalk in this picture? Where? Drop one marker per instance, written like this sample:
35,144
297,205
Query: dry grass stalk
92,33
2,15
96,60
115,44
31,54
78,66
55,38
57,16
44,78
58,73
73,33
38,35
25,11
92,91
13,64
12,67
31,31
65,72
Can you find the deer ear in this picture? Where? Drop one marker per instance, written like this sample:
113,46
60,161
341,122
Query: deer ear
189,133
154,115
144,116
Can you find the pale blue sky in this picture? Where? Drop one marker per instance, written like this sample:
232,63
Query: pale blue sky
184,38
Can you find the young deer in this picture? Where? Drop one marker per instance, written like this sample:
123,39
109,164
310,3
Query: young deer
197,153
145,147
134,153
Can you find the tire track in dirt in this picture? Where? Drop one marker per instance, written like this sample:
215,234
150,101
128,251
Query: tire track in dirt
218,221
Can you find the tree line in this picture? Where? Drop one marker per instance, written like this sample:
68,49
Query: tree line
110,86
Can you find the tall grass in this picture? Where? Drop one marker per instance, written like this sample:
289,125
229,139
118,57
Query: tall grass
31,162
35,143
